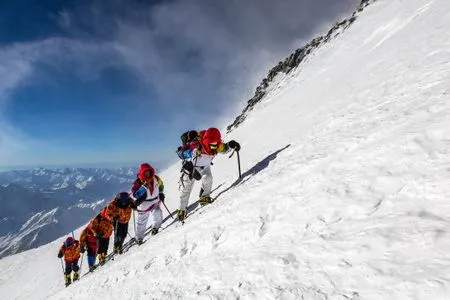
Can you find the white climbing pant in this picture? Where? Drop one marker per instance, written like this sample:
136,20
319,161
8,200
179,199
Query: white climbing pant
188,184
144,213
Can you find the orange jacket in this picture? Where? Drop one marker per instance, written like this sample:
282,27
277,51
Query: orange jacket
101,227
123,215
72,252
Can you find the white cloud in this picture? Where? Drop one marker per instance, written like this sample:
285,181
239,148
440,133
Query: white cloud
198,53
202,58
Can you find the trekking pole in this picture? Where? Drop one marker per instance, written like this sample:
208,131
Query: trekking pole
167,209
116,236
62,266
239,162
134,222
81,263
73,235
129,235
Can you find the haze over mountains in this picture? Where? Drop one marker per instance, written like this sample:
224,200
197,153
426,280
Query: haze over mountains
39,205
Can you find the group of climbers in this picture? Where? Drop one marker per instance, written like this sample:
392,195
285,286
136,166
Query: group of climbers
95,236
147,194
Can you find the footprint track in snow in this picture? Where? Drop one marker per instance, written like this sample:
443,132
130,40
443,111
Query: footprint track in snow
167,259
265,220
149,264
186,249
218,232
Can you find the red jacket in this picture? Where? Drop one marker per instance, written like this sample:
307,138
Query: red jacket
88,239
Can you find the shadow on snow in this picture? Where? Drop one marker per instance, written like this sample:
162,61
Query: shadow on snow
255,169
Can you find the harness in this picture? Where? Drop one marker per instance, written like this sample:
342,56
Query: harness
151,206
183,172
147,200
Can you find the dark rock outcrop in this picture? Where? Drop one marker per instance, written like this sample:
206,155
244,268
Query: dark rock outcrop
295,59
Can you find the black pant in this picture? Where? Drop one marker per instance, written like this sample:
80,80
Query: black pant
103,244
120,233
90,252
71,265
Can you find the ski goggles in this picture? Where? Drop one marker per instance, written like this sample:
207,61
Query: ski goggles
213,146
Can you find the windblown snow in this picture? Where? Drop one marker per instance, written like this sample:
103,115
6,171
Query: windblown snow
344,191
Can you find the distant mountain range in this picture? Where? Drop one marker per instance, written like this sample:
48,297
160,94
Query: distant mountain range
39,205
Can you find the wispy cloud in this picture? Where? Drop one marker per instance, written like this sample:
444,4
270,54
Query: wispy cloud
15,68
19,66
201,58
205,57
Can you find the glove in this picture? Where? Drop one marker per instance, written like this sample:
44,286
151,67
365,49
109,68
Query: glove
82,250
133,205
162,197
60,254
234,145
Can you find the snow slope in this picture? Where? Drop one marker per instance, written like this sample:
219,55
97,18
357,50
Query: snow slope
344,192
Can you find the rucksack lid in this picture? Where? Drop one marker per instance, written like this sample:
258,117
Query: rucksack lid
189,136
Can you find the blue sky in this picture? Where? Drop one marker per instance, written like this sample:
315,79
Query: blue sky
116,82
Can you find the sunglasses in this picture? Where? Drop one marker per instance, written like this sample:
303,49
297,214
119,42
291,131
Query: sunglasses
213,146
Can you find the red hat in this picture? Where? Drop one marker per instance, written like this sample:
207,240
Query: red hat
144,166
212,135
146,172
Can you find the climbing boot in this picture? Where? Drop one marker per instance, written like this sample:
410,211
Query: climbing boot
205,200
67,279
181,213
118,249
101,258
